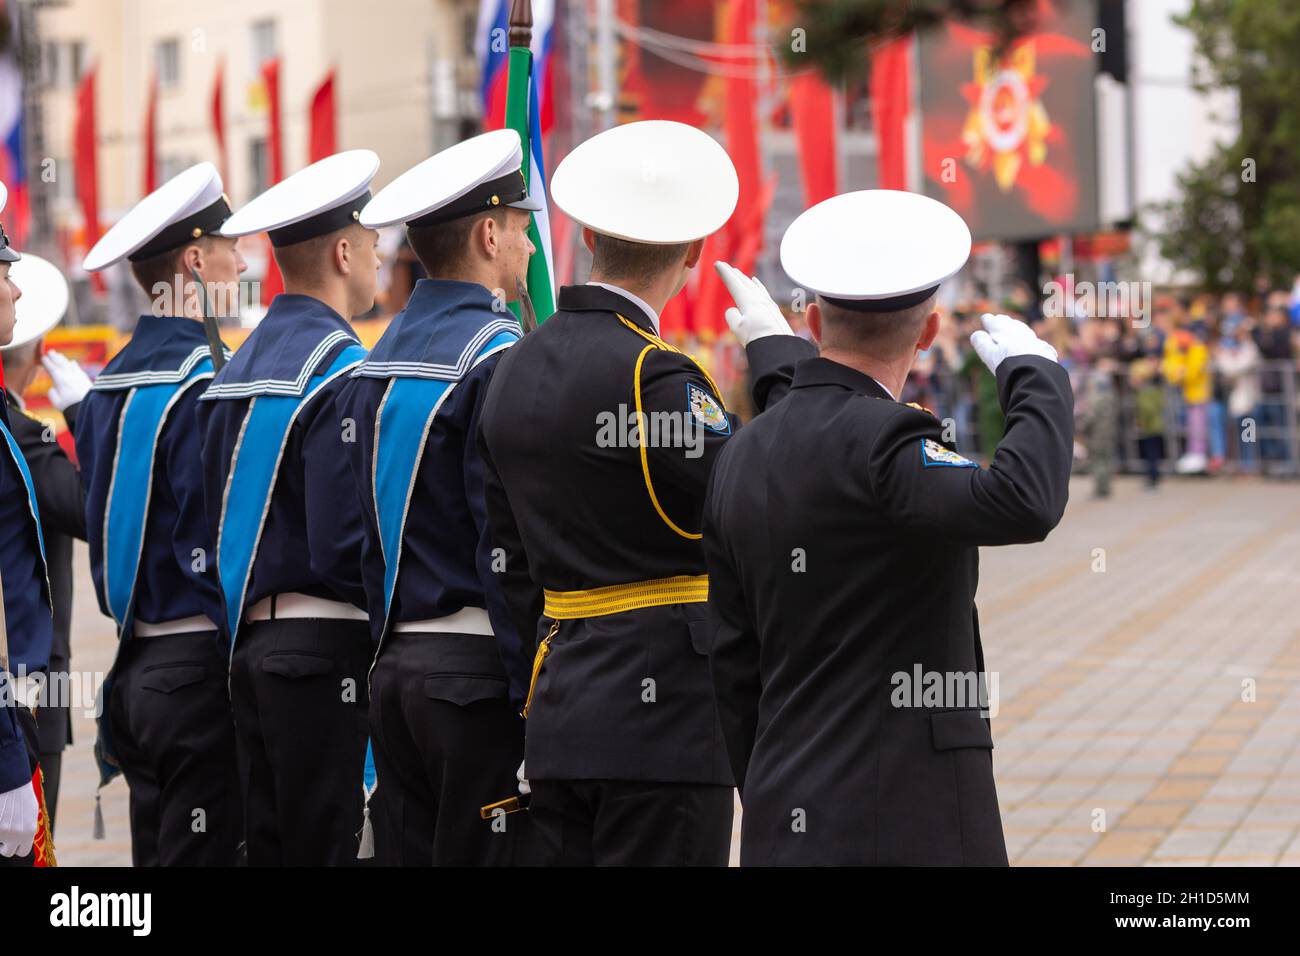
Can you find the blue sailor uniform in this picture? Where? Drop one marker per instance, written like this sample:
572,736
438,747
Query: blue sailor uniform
444,706
166,720
28,624
284,507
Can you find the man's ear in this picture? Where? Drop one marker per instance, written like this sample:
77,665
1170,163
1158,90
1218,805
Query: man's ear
814,317
589,239
693,253
488,238
929,332
192,260
343,255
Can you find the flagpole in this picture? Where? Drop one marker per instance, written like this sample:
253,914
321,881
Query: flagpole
521,103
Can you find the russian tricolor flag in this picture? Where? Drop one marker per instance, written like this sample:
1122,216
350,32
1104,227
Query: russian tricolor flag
493,46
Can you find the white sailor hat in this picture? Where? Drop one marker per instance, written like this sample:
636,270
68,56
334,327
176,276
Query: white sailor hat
878,250
655,181
44,300
327,195
189,205
7,252
473,176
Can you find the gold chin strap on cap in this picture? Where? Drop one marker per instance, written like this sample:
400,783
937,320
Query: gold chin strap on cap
660,344
612,599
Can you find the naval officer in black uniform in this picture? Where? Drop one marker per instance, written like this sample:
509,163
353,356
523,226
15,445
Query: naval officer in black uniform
286,513
166,721
843,540
60,494
450,670
598,438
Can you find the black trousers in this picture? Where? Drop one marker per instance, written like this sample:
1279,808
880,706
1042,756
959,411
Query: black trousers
631,823
298,689
175,742
446,741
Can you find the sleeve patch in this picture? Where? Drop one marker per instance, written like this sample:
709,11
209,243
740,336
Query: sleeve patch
934,455
706,410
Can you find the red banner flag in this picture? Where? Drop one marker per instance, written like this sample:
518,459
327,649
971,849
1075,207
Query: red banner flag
274,143
219,121
321,121
272,283
83,165
891,102
812,107
150,181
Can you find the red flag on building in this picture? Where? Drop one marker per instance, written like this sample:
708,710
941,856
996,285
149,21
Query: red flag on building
219,121
83,165
272,283
812,107
891,101
740,241
321,121
150,181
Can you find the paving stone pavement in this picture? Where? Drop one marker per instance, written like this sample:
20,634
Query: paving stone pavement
1148,666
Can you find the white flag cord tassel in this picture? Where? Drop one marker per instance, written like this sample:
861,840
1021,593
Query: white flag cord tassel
366,850
97,832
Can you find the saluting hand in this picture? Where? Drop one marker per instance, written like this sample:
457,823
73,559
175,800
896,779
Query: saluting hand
1003,336
755,314
71,383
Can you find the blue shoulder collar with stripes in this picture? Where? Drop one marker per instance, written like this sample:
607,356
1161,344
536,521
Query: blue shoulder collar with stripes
440,334
163,350
296,338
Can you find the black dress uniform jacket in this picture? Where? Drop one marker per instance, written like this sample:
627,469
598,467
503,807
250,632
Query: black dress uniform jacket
842,543
573,513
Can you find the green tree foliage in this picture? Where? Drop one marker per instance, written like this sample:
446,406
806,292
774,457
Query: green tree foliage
1238,215
839,33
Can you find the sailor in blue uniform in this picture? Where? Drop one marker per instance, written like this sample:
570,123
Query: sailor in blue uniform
166,721
26,624
60,496
286,513
444,695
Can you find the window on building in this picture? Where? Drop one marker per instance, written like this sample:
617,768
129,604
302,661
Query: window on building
167,63
259,171
262,38
50,58
76,61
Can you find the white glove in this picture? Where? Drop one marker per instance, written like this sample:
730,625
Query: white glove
70,383
755,314
523,781
18,812
1004,336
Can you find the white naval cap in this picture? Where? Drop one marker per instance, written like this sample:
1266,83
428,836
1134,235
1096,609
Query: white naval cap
44,300
7,252
189,205
877,250
327,195
470,177
655,181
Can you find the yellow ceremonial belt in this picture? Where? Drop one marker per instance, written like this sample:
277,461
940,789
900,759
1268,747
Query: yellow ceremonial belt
612,599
